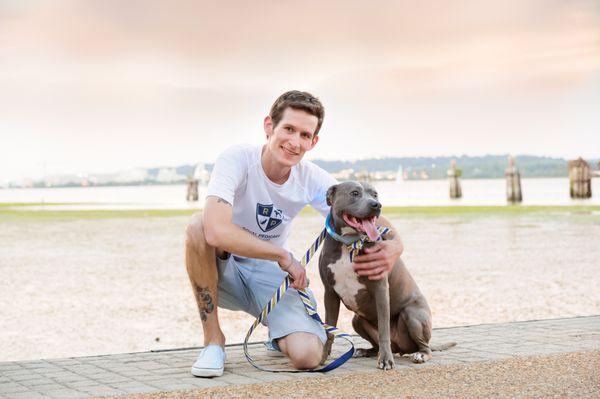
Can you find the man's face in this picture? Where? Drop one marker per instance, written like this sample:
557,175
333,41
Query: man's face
292,137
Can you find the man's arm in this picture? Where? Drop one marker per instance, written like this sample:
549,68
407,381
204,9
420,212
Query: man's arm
379,259
220,232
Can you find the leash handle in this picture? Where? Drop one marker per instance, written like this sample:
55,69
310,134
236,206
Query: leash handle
310,309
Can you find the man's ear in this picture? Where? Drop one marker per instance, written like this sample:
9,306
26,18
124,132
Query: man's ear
330,194
315,140
268,126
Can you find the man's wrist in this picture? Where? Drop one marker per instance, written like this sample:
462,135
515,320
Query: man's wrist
286,262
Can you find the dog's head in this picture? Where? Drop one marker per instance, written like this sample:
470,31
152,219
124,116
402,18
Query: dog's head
355,205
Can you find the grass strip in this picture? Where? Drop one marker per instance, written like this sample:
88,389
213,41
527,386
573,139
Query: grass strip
21,214
32,204
16,212
498,209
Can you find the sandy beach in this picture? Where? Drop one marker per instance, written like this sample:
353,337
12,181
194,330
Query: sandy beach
87,287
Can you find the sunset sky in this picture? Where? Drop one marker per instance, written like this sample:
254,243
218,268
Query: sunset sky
105,85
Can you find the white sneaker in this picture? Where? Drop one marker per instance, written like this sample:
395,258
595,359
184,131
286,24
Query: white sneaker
210,362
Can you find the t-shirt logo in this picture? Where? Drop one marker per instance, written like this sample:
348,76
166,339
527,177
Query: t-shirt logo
268,217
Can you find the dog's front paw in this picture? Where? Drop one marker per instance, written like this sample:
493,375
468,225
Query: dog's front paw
327,348
386,361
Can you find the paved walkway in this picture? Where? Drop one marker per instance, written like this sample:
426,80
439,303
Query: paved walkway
85,377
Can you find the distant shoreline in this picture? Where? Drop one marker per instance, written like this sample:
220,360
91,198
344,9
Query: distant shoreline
183,182
378,169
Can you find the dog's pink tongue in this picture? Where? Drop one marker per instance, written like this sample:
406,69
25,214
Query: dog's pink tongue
370,229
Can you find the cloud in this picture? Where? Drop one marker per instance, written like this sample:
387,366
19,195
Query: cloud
181,80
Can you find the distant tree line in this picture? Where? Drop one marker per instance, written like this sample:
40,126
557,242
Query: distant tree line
480,167
483,167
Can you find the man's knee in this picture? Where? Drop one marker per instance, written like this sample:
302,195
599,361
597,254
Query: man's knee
198,254
305,352
194,233
308,359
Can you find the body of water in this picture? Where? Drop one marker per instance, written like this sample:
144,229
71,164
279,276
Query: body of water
536,191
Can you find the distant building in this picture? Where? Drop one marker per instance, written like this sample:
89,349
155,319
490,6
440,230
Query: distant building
132,176
169,175
344,174
61,180
201,174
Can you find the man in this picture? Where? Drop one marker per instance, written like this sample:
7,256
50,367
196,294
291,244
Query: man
236,251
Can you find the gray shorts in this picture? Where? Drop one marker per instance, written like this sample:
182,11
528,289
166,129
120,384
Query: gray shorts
248,284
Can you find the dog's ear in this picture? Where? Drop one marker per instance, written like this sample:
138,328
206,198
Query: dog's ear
330,194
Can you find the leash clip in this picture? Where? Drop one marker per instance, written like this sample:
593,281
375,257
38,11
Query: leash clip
354,243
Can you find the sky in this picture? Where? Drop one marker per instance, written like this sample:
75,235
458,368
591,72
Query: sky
91,86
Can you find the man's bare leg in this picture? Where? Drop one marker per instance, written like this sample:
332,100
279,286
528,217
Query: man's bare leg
202,270
305,350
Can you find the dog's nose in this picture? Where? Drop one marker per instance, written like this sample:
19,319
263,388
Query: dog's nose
374,204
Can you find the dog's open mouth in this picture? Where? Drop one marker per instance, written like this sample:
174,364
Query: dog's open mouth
365,225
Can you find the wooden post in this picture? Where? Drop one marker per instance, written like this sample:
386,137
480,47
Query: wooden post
453,175
192,190
513,182
580,179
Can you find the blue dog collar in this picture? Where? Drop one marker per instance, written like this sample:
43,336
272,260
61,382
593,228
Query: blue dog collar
347,240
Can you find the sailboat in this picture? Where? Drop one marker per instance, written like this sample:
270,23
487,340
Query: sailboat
400,175
201,174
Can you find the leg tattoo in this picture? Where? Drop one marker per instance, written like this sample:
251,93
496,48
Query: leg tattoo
205,303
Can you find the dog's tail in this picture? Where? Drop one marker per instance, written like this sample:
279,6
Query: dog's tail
442,347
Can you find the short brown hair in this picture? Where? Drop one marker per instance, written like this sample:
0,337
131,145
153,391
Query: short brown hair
297,100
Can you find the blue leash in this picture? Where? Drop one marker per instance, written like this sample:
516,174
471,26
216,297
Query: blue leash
311,309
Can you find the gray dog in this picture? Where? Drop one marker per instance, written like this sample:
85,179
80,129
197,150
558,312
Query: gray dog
390,313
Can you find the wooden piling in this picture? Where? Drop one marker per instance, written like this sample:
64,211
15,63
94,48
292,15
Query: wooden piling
580,179
453,175
192,190
513,182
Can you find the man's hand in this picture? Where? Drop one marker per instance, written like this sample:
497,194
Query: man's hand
378,260
296,272
298,275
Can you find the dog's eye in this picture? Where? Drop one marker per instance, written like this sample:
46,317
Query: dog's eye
374,195
355,193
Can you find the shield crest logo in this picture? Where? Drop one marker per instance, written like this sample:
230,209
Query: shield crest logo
268,217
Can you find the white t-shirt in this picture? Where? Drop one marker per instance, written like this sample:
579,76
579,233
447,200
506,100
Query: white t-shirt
261,207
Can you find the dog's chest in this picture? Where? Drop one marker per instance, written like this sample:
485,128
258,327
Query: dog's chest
346,281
